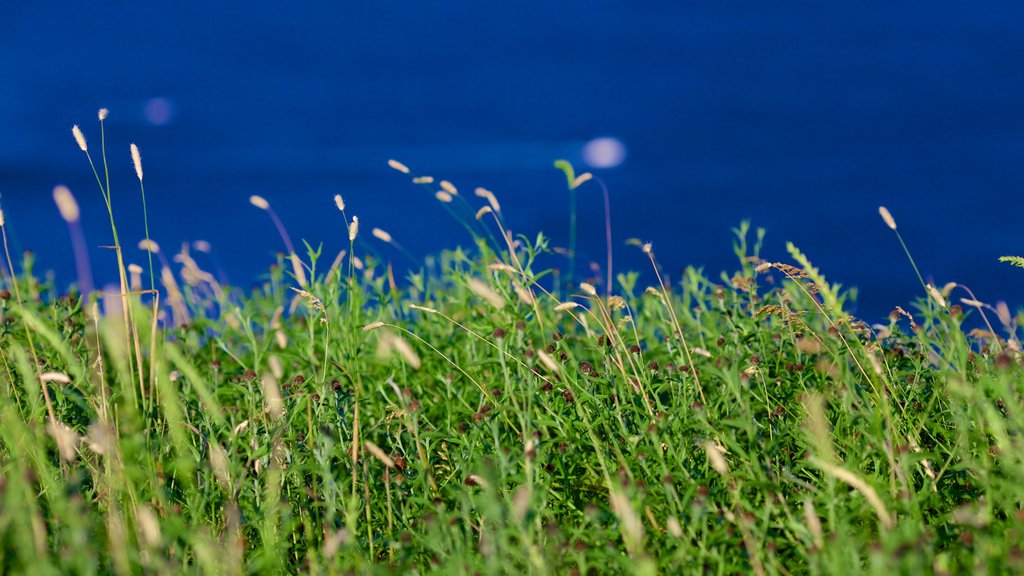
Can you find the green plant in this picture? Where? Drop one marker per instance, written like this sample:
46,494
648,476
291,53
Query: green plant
473,418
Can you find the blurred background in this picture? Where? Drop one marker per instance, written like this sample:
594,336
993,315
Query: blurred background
801,116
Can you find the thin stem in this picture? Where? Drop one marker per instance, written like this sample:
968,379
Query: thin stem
607,232
572,235
149,244
911,258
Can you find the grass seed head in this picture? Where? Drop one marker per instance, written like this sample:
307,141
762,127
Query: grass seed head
936,296
381,235
80,138
202,246
66,204
443,196
566,306
423,180
581,179
259,202
392,343
887,217
66,439
353,229
339,202
717,458
501,267
483,212
631,525
588,289
813,524
647,247
136,276
396,165
423,309
102,114
378,454
372,326
149,524
449,188
547,361
525,294
490,197
486,292
2,218
137,161
149,245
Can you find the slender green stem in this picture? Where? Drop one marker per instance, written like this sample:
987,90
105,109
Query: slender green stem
572,236
911,258
149,245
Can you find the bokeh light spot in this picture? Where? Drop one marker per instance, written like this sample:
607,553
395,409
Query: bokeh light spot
158,111
604,152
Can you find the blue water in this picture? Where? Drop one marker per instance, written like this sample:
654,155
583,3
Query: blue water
802,116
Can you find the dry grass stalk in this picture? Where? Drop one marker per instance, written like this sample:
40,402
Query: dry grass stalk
272,401
809,346
275,367
179,312
378,453
547,361
149,526
814,524
858,484
219,463
674,527
486,292
716,456
631,526
66,439
525,294
817,427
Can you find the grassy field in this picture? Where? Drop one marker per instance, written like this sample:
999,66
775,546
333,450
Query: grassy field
486,415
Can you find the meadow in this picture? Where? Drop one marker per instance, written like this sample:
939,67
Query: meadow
488,413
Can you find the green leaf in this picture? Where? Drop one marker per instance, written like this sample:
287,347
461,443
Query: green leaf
1017,261
566,167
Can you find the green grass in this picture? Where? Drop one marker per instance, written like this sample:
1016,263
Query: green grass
455,422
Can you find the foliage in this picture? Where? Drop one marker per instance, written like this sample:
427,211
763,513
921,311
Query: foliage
458,423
